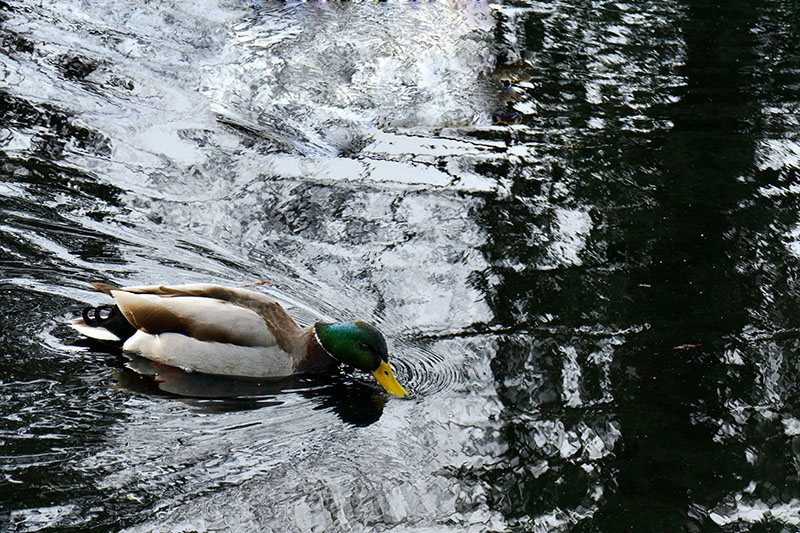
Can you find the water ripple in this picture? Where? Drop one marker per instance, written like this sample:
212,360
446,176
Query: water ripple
423,371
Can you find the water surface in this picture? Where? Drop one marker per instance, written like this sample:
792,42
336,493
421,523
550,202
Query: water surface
576,224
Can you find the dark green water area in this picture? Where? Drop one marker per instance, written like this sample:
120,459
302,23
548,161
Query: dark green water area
577,224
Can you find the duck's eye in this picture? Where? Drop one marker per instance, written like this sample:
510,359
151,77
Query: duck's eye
363,346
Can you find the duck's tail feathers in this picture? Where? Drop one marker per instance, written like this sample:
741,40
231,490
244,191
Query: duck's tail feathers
105,323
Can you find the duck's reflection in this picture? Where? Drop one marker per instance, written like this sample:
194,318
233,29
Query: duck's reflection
354,402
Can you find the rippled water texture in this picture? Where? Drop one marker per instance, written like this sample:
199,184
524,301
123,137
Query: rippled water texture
577,224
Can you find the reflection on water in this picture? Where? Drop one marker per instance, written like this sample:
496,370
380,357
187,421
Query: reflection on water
353,402
577,225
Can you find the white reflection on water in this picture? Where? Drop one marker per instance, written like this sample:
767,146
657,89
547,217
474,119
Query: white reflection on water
343,173
330,72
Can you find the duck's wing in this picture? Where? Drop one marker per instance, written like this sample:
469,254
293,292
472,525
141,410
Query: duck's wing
234,295
282,326
201,318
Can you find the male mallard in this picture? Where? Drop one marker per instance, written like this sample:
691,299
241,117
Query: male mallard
230,331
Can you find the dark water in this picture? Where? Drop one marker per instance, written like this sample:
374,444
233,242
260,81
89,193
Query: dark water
595,307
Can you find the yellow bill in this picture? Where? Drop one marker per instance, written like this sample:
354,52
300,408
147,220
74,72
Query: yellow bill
386,378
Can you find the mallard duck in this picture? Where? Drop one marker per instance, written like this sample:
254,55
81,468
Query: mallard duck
231,331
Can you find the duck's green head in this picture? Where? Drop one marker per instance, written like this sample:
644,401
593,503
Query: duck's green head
361,346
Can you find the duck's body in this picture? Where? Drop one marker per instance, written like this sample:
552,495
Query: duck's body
230,331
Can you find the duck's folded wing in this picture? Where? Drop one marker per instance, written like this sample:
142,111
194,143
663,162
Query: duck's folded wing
235,295
281,325
201,318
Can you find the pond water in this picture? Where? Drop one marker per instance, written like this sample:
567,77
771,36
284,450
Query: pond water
578,225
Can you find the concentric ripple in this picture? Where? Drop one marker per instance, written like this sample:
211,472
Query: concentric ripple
424,371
